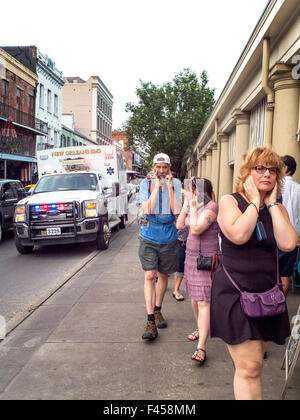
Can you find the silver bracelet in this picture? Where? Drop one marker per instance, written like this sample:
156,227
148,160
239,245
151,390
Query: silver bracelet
271,205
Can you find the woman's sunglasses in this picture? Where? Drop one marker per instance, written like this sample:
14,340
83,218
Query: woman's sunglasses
260,169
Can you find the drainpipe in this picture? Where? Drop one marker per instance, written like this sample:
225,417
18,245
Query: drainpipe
269,92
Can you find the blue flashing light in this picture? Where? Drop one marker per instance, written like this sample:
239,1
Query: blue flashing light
53,206
37,207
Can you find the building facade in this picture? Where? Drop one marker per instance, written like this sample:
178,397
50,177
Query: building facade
134,162
259,104
17,113
71,136
48,96
120,137
91,104
49,101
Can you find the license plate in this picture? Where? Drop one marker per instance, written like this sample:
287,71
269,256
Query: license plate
53,231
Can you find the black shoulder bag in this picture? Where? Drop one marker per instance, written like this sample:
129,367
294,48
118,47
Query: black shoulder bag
207,263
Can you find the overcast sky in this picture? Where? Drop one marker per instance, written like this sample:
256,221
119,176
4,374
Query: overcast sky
123,41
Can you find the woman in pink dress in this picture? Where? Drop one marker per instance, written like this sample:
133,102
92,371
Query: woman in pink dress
199,214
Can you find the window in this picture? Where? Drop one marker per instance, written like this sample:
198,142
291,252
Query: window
49,100
9,192
4,90
41,99
31,105
232,137
19,99
19,190
56,105
257,124
55,139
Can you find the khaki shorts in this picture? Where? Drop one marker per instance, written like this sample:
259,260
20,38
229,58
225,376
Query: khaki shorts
161,258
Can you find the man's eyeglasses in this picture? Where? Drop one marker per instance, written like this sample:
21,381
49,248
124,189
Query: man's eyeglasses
260,169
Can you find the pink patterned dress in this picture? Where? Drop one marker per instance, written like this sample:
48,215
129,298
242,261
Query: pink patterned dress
198,282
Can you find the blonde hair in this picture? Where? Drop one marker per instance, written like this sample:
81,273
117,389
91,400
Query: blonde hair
260,155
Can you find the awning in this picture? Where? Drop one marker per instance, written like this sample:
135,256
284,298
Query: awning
6,156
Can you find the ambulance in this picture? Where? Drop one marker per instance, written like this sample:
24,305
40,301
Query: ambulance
80,196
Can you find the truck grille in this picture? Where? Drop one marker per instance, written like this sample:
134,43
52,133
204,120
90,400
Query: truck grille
54,212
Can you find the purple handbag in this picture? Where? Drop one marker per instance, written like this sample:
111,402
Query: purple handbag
264,304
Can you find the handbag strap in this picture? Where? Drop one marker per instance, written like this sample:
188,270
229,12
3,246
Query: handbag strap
231,279
237,287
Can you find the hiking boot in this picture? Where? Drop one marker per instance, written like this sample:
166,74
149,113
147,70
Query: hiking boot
150,331
159,320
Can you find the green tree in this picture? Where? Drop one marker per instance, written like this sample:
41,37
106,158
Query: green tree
169,118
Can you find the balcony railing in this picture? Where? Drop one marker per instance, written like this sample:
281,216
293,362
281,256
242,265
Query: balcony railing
22,118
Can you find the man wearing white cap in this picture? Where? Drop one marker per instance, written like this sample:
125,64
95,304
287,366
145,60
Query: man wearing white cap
160,199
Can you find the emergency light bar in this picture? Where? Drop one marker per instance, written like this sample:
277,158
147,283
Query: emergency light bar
45,207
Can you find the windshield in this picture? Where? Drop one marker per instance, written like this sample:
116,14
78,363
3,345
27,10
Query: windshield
64,182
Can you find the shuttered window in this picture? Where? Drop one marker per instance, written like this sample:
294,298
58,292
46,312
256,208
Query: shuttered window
232,137
257,124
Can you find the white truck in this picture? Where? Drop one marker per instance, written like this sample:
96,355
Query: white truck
80,196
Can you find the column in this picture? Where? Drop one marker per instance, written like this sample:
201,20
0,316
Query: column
215,167
225,179
198,163
241,141
286,114
203,166
199,169
208,164
195,164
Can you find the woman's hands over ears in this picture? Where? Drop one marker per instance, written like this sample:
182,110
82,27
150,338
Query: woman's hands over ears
251,190
271,197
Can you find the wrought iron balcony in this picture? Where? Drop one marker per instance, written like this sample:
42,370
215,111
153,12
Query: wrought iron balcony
25,120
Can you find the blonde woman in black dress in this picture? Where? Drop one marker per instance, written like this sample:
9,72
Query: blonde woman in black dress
252,264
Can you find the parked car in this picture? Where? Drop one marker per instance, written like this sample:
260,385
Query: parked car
11,191
132,189
29,188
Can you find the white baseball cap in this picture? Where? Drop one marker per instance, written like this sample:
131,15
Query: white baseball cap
161,158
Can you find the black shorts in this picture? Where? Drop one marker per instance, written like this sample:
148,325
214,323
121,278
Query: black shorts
156,257
287,262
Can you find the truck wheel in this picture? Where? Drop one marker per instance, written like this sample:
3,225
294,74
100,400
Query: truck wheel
103,235
122,223
22,249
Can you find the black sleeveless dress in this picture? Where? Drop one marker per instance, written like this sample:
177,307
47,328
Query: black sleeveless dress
253,267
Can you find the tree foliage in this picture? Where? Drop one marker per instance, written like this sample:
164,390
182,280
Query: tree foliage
169,118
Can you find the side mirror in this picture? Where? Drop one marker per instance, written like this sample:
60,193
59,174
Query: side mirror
22,194
4,196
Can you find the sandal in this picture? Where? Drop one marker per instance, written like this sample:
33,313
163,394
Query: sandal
194,335
196,356
177,296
